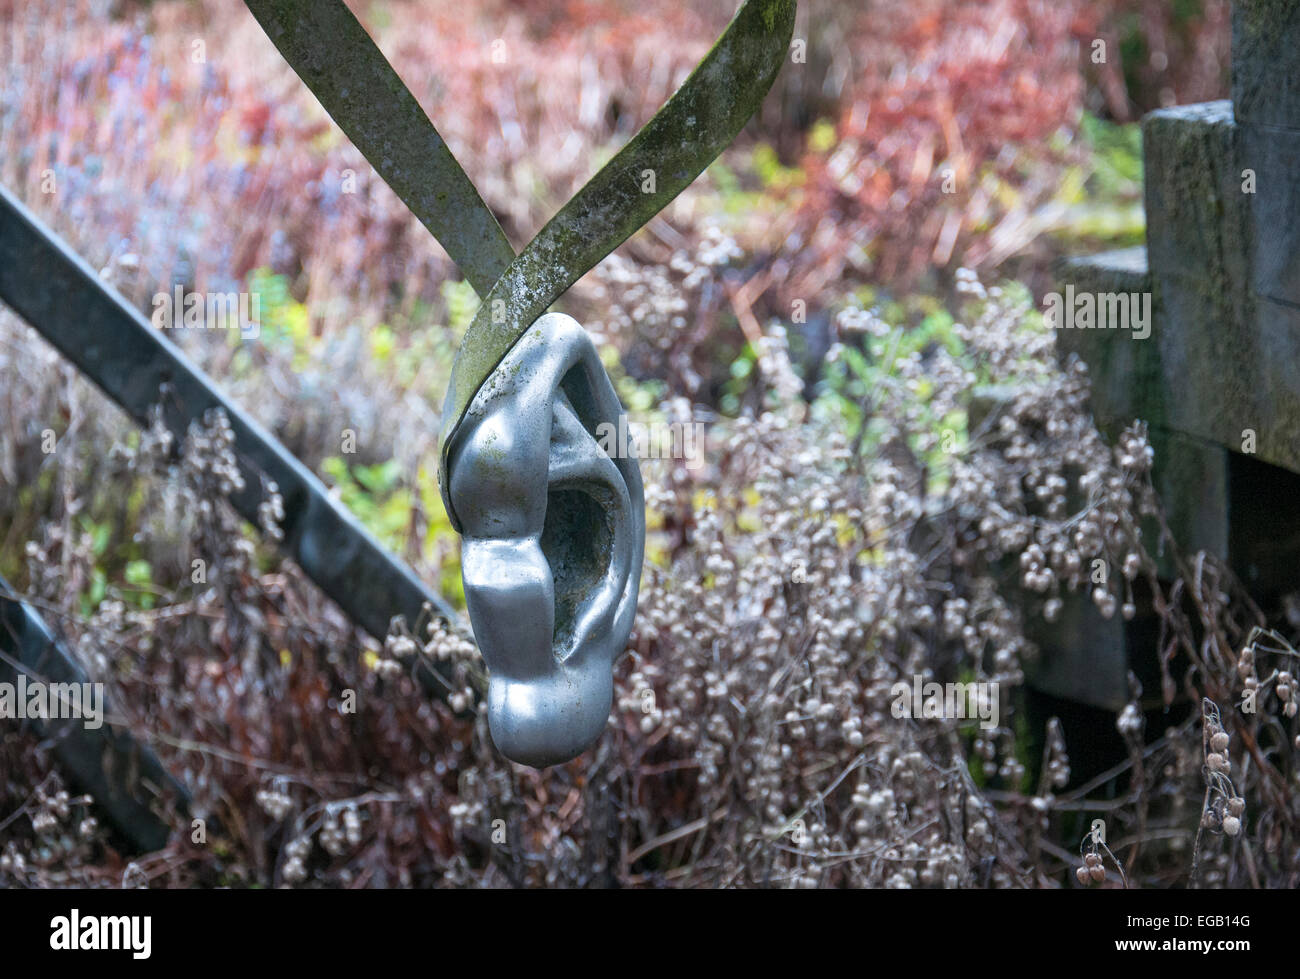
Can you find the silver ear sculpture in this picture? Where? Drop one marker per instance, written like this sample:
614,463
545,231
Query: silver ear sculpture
553,525
554,534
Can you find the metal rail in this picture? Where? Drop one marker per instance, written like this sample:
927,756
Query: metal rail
58,294
125,777
87,321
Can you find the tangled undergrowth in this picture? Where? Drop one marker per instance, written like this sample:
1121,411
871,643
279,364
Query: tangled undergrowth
886,531
891,492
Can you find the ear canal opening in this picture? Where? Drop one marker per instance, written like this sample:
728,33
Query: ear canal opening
577,541
577,389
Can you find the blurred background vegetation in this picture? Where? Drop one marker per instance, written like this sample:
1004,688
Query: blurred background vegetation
169,143
919,137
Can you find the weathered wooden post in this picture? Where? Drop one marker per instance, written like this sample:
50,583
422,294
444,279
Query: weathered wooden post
1218,379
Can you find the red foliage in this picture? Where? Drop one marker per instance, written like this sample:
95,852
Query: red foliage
948,92
967,91
1157,55
135,130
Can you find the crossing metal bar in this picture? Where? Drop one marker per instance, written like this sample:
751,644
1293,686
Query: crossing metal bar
329,50
87,321
125,777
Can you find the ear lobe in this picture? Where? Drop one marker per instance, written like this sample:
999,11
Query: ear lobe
554,536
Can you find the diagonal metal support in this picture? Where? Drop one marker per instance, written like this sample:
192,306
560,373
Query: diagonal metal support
125,778
55,291
329,50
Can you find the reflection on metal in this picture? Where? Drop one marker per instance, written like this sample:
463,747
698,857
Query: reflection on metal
551,567
554,537
125,778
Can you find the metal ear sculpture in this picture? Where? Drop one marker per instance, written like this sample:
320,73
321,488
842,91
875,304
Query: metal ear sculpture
553,525
554,534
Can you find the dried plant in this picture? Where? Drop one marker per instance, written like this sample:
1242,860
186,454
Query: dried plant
896,505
